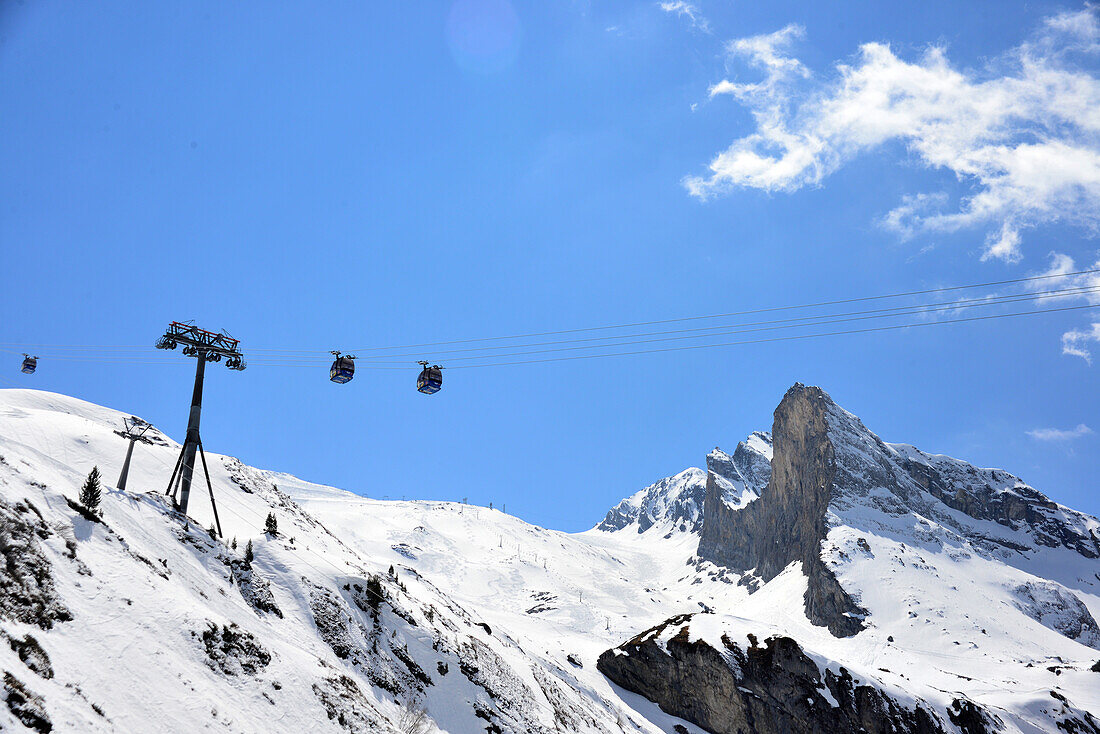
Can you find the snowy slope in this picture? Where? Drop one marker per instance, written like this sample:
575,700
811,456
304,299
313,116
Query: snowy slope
137,595
516,615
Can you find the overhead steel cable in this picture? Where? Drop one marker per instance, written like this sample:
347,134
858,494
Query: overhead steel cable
793,337
283,355
921,311
892,327
836,302
899,310
817,304
715,330
765,326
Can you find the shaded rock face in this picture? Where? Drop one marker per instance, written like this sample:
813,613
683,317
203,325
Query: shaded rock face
765,689
787,524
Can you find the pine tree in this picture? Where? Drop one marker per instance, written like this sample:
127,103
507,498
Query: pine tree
271,527
248,553
90,493
233,545
212,532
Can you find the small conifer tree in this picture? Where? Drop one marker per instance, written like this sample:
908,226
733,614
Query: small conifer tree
90,493
212,532
248,556
375,595
233,544
271,527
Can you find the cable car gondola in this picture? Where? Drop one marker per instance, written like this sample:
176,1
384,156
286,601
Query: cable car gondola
430,380
30,364
343,368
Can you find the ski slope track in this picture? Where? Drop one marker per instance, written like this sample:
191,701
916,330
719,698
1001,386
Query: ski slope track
816,579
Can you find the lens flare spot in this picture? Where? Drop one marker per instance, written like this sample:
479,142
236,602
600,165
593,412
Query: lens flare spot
483,35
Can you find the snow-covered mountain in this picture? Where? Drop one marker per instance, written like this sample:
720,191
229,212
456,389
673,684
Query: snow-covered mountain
675,504
817,579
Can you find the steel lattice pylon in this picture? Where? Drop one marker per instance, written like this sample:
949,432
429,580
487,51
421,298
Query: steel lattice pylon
206,346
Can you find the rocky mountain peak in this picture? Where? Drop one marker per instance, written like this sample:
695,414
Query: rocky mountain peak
749,468
676,503
788,523
828,469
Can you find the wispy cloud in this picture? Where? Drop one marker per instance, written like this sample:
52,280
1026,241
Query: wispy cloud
1076,342
1056,434
686,10
1023,134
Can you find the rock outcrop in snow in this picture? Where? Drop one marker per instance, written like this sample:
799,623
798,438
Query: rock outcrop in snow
741,685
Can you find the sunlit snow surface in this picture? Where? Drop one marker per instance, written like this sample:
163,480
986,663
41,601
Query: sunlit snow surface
954,611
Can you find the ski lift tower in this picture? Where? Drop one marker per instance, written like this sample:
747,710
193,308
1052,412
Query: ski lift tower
205,346
135,429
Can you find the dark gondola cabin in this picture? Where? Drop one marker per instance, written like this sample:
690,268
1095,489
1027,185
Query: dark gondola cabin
430,380
343,368
29,364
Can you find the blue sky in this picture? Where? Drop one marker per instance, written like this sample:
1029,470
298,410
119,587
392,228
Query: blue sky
366,174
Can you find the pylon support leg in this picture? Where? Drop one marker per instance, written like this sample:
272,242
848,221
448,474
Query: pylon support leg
172,480
210,487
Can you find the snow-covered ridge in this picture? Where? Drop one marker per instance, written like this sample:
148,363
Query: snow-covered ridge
505,619
484,620
993,509
675,504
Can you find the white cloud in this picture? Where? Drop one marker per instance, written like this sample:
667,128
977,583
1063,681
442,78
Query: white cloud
1004,245
686,10
1075,342
1055,434
1025,140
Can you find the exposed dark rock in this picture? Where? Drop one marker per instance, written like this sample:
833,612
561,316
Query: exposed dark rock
787,524
254,588
31,653
26,706
333,622
345,704
417,672
27,591
233,650
971,718
770,689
